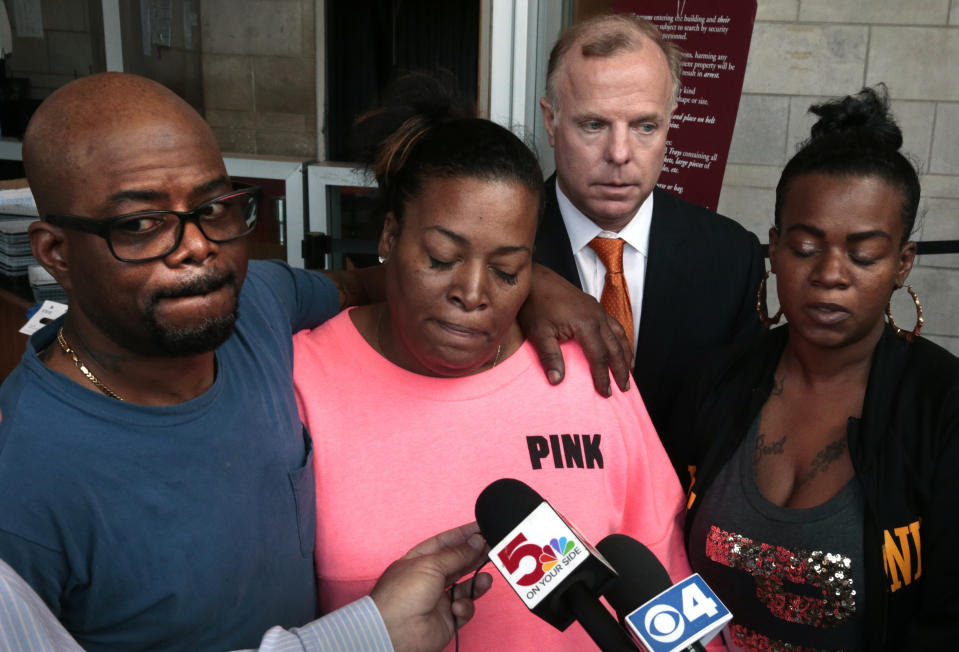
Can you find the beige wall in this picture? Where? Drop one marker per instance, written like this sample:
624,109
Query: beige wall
72,45
247,65
806,50
259,75
178,66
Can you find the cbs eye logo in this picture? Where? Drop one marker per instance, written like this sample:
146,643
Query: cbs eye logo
664,624
686,612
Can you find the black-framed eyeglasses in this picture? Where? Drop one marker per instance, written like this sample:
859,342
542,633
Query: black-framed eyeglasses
149,235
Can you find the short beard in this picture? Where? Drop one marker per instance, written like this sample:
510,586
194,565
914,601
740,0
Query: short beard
181,342
200,338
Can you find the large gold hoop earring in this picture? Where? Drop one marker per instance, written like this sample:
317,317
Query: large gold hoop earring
919,320
764,317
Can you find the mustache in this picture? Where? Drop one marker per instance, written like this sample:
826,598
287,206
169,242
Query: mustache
196,286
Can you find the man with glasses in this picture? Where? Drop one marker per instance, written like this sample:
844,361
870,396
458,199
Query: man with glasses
156,480
147,235
154,494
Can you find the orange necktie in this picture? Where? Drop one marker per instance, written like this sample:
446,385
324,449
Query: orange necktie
615,298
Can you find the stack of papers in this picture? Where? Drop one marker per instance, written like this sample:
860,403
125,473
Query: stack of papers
44,286
15,255
18,201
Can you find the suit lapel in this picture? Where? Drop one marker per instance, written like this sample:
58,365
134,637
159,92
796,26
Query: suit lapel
553,248
664,274
664,269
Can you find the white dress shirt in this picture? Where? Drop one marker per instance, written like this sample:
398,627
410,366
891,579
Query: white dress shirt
592,273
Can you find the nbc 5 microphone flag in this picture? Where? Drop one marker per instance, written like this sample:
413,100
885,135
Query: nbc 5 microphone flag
687,612
538,554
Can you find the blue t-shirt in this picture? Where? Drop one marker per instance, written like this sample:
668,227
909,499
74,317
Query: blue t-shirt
185,527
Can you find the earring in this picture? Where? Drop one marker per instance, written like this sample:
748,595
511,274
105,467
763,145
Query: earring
919,320
764,317
382,259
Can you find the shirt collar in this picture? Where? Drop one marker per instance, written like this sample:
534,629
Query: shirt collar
582,230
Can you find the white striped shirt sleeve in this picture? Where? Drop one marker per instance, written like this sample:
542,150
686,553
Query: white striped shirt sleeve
357,627
27,625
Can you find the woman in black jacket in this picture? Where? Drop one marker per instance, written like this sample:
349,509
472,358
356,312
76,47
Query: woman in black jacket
825,453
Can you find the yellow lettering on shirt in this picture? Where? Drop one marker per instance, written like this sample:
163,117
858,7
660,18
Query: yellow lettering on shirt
897,557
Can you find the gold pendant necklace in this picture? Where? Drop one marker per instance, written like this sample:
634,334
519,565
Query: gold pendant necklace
499,349
83,368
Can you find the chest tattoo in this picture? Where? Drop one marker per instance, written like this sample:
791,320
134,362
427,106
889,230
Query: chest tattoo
764,449
825,458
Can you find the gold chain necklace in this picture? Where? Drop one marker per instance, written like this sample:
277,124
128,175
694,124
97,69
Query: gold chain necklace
83,368
499,349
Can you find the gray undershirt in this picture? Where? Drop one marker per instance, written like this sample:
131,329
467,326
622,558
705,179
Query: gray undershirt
793,578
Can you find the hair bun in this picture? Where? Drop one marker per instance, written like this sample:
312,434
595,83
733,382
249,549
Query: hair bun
865,114
426,98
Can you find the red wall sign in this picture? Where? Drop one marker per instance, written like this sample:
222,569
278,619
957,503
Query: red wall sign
715,35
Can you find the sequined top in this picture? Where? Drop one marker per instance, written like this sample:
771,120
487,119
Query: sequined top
789,576
904,451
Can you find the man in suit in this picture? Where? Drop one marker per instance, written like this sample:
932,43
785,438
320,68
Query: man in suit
691,275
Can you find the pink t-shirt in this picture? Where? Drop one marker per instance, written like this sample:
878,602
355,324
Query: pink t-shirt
400,457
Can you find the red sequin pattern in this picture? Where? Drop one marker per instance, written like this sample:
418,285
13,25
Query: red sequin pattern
770,566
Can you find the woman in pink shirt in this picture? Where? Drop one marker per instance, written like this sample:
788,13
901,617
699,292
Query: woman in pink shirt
416,404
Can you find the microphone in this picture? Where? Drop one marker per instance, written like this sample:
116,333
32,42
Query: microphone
550,566
661,616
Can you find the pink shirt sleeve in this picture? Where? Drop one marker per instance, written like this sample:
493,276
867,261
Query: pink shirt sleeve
655,515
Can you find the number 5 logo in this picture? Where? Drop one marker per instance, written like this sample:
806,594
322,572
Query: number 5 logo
514,553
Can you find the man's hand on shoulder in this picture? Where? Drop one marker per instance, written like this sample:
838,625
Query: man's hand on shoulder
412,597
557,311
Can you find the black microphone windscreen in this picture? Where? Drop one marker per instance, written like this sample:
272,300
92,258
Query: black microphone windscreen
502,506
641,575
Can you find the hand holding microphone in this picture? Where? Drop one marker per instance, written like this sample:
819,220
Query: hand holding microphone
412,597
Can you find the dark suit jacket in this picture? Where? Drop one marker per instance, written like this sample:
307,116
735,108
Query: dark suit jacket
702,275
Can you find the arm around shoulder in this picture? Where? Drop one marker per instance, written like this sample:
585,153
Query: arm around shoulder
307,298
